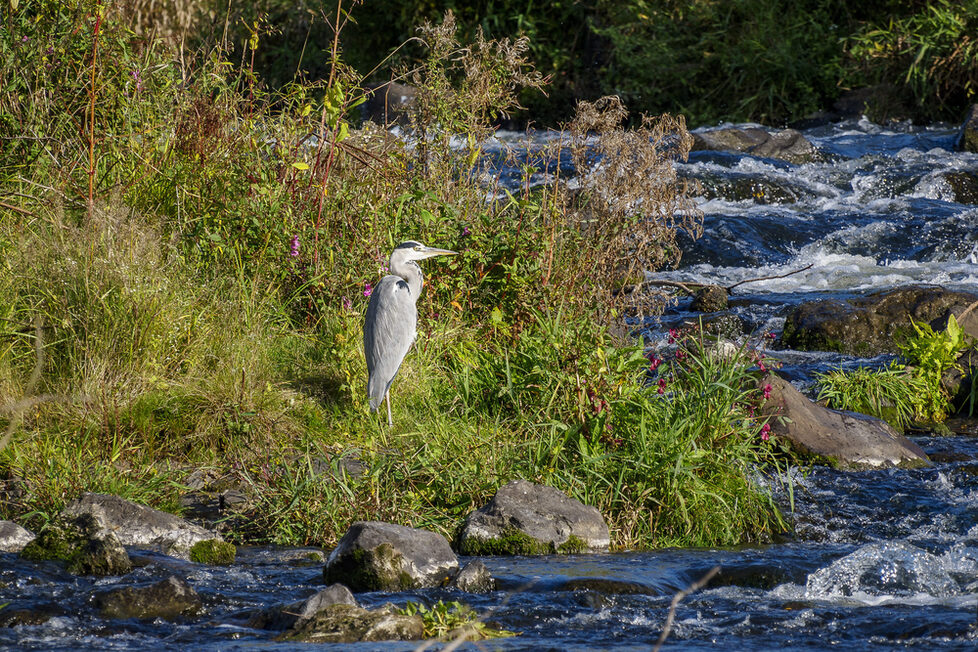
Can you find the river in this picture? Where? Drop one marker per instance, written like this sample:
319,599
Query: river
878,560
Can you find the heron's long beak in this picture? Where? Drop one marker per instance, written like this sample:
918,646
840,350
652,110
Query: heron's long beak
430,252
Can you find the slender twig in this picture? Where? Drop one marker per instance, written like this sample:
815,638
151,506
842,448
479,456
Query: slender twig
768,278
18,209
967,310
692,588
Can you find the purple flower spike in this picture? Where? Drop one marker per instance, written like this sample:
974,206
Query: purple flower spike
295,246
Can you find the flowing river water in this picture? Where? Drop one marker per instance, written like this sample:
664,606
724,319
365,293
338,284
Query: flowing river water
877,560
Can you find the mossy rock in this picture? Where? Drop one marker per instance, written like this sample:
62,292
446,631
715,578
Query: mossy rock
377,569
81,547
213,552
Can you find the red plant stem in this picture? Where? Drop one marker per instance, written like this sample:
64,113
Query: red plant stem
91,110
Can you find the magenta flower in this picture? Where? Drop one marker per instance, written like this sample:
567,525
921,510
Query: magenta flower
771,336
680,354
295,246
347,304
760,365
662,386
766,431
654,363
367,289
673,333
767,391
465,231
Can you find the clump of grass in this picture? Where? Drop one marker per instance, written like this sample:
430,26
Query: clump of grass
891,394
453,621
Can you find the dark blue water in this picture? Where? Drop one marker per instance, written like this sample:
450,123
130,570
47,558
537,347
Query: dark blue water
878,560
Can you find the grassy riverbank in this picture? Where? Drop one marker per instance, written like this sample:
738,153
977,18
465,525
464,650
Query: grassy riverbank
187,257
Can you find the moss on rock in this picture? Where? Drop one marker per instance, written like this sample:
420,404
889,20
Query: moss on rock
213,552
516,542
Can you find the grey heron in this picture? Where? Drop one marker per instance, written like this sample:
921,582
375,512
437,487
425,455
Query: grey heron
391,322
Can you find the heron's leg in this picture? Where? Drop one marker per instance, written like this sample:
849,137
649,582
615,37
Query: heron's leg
389,421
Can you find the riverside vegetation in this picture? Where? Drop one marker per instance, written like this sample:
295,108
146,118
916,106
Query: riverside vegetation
186,258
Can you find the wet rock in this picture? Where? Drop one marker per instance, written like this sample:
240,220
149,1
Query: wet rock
747,188
473,578
845,440
968,134
170,599
374,556
36,614
288,616
788,145
528,519
964,185
81,545
213,551
13,538
711,298
140,526
870,324
344,623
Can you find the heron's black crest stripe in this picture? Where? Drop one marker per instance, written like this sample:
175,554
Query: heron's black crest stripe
410,244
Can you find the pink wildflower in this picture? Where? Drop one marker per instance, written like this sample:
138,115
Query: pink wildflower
766,431
654,363
673,334
767,391
367,289
295,246
662,386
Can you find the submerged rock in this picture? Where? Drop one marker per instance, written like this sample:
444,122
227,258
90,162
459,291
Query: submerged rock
788,145
529,519
140,526
374,556
14,615
13,537
344,623
84,548
846,440
869,325
169,599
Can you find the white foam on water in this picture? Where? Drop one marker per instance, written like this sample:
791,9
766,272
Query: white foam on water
888,572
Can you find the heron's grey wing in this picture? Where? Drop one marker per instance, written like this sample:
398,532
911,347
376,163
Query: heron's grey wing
388,332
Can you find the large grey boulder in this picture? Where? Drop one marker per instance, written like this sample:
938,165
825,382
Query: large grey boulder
169,599
869,325
788,145
374,556
968,134
13,538
845,440
140,526
344,623
525,519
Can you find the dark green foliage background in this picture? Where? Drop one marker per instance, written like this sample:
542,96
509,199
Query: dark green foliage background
761,60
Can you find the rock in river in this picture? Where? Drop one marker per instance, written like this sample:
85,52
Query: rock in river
13,538
374,556
81,545
140,526
788,145
529,519
844,439
869,325
169,599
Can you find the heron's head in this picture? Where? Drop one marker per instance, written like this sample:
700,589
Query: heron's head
412,250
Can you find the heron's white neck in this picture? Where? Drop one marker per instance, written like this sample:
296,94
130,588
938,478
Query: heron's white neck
410,271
